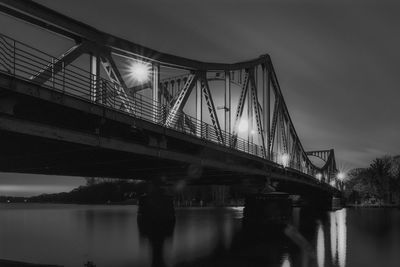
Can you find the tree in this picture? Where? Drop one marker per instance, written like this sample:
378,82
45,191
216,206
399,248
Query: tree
380,180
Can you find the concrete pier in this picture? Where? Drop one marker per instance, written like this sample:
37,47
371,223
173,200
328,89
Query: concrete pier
274,208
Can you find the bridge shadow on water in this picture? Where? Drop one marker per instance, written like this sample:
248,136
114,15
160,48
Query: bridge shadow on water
305,242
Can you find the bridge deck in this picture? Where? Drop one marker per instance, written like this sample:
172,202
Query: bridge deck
91,126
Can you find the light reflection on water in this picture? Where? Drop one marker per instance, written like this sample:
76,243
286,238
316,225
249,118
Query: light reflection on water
71,235
320,245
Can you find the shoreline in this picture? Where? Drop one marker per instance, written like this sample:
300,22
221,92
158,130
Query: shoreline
372,206
10,263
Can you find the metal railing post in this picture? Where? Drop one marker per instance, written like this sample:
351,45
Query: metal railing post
63,77
14,57
52,72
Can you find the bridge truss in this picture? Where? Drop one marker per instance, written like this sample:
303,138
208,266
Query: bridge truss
186,95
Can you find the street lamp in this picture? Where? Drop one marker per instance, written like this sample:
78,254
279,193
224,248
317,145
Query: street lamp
341,176
318,176
140,71
285,159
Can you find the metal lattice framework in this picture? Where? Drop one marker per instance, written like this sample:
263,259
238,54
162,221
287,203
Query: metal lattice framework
173,94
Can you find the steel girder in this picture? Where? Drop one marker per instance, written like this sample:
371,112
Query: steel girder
181,100
83,34
211,107
60,63
240,107
118,82
256,106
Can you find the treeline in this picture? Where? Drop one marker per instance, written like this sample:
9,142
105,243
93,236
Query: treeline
99,193
377,184
7,199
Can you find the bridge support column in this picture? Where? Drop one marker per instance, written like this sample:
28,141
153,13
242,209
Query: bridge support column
267,209
156,211
156,221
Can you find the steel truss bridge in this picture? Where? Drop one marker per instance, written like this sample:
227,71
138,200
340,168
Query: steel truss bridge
133,112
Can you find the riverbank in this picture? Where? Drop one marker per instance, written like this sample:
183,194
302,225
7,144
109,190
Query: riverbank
8,263
372,206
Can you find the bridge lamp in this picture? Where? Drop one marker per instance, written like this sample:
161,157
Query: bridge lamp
243,125
285,159
318,176
140,71
341,176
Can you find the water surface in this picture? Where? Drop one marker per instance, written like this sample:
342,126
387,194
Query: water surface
71,235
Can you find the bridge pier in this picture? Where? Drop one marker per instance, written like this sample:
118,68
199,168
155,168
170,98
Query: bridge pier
156,213
267,209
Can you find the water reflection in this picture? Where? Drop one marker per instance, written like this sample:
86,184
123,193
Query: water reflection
286,261
342,237
109,236
320,245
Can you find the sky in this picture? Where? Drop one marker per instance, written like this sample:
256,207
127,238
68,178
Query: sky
336,61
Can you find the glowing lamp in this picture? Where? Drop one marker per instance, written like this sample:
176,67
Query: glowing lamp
285,160
341,176
140,71
318,176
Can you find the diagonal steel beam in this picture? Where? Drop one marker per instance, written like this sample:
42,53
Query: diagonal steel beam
274,124
181,100
168,96
111,69
240,107
211,108
43,24
51,69
284,132
117,81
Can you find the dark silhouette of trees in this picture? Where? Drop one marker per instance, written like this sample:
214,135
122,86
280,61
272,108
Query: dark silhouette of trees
380,181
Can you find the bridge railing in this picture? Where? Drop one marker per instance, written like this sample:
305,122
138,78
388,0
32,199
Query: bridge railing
24,61
27,62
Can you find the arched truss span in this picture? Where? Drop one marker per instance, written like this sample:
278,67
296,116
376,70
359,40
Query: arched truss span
256,121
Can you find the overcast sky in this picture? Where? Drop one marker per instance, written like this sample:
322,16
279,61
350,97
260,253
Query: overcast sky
337,62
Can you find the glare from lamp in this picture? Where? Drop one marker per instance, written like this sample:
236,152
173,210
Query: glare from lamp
285,159
341,176
243,125
140,71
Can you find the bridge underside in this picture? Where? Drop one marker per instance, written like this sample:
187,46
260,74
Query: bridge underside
47,132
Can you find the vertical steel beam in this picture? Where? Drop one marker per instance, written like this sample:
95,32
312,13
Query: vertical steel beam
95,94
250,117
268,107
227,102
156,100
254,97
199,108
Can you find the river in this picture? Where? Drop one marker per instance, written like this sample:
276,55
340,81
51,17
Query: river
71,235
